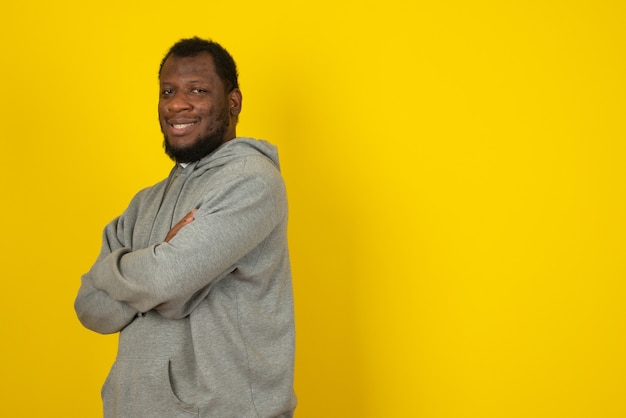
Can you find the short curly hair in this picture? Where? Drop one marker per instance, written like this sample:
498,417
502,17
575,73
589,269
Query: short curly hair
224,63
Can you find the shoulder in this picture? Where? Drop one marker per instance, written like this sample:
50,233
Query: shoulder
247,158
147,195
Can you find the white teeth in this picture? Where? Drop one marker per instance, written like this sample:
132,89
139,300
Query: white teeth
181,125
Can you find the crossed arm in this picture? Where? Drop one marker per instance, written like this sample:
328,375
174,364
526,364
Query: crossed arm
97,310
172,277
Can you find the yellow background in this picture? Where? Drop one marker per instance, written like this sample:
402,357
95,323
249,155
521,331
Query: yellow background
456,178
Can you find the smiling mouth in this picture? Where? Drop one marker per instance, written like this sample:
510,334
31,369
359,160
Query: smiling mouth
178,128
182,125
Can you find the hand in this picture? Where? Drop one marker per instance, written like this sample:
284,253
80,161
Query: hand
187,219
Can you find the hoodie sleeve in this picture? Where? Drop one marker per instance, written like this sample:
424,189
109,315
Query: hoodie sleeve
243,208
95,309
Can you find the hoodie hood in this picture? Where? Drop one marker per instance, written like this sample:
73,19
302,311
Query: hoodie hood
236,148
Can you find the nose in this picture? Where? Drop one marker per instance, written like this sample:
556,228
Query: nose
177,103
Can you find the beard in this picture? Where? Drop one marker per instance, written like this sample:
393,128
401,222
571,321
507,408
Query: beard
202,147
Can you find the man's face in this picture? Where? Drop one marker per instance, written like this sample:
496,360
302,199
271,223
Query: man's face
195,112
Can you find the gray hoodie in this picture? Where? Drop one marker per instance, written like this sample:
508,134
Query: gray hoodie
206,321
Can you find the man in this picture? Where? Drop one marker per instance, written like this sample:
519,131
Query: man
195,274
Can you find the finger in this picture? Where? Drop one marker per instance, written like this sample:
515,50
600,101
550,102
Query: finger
189,216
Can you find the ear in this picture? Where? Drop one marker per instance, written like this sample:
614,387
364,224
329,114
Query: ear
235,98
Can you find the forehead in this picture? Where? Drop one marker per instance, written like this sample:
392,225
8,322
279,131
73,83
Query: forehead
199,67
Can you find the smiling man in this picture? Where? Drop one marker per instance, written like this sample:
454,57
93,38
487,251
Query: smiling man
198,108
195,274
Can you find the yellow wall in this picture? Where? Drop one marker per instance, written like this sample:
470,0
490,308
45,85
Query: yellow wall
457,181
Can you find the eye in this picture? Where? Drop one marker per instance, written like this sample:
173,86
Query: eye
167,92
199,90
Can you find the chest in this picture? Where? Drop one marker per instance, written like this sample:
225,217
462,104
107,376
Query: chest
162,208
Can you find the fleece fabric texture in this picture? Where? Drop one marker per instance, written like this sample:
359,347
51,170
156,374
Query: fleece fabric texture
205,322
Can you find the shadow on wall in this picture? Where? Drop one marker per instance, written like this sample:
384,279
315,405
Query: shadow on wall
324,235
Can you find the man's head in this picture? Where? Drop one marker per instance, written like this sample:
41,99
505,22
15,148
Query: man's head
199,101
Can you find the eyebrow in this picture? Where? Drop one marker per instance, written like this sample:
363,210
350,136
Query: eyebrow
185,82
